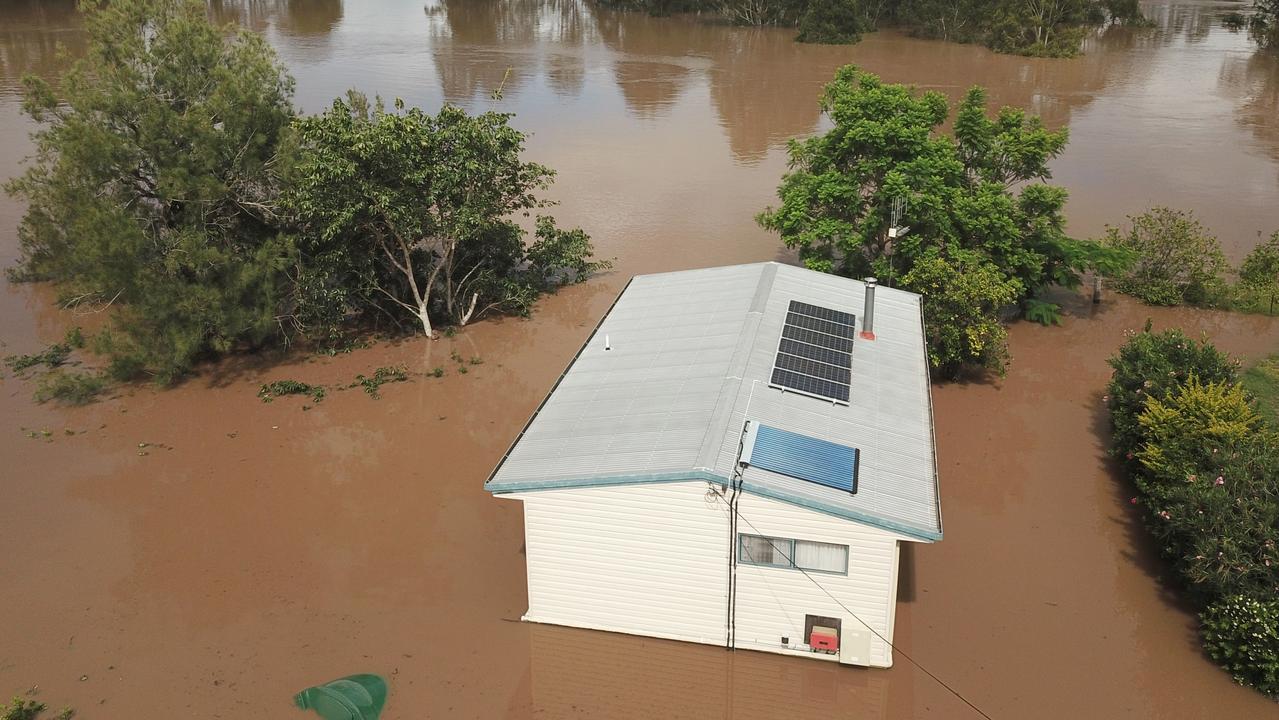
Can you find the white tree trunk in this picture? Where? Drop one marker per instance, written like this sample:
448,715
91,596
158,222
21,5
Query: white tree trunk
426,320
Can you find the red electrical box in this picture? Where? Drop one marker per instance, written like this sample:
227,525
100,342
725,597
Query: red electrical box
824,639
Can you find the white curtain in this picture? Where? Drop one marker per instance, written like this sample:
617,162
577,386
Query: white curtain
821,556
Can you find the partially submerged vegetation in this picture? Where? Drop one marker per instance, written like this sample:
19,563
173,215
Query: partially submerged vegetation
1024,27
1175,260
1205,466
19,709
964,219
266,228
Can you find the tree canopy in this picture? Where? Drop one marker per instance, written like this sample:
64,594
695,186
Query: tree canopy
972,201
174,185
154,182
413,213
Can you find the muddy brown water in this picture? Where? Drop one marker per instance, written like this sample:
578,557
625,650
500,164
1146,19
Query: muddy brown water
197,553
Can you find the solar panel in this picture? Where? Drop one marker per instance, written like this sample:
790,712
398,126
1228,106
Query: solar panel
814,355
802,457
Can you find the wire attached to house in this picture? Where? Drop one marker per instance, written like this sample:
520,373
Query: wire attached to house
890,644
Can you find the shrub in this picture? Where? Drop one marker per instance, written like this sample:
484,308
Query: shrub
70,388
1262,382
1242,635
381,376
962,299
52,357
1178,261
830,22
1150,365
1259,278
1208,476
280,388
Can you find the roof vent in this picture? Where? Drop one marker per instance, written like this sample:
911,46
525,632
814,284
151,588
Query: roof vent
868,313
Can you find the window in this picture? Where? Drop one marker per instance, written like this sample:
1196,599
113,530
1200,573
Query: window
757,550
820,556
787,553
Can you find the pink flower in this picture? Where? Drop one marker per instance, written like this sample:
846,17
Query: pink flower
1214,451
1105,398
1191,478
1164,514
1219,481
1129,456
1132,501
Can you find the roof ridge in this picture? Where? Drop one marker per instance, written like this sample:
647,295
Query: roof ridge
726,403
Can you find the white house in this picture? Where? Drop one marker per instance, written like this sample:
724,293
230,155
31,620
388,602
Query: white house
734,459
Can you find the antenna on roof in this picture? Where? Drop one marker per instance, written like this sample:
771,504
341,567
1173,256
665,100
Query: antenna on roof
895,227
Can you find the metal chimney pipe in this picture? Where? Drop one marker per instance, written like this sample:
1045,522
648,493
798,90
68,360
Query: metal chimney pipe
868,314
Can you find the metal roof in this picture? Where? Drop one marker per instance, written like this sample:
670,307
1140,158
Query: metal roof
662,390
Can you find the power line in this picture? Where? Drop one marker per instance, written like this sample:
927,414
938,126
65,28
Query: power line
890,644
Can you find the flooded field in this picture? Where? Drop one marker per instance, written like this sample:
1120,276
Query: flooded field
198,553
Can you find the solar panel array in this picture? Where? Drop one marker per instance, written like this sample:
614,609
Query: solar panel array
815,355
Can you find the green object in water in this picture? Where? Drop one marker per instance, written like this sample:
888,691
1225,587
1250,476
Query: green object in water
356,697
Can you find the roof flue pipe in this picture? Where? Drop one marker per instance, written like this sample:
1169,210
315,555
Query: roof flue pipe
868,314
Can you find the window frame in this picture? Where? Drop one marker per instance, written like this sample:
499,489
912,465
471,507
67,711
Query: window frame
743,556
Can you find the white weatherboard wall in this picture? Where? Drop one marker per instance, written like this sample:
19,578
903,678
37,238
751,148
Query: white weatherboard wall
652,559
642,559
772,601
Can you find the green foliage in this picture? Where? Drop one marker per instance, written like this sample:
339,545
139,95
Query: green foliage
1264,23
409,215
1206,468
74,338
1044,313
1262,383
72,388
1178,261
1242,635
279,388
381,376
152,184
962,298
19,709
437,372
972,201
1150,365
1258,285
52,357
830,22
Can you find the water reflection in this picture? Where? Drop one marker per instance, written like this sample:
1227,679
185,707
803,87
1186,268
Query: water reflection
300,18
1255,80
583,673
32,35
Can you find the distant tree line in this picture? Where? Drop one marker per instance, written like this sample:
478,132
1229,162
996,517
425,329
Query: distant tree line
1053,28
175,184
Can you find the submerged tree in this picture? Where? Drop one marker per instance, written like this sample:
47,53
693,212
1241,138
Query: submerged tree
154,186
413,214
970,201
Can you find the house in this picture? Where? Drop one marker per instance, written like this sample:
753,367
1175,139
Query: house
733,458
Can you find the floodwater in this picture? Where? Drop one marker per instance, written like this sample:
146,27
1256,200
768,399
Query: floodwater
197,553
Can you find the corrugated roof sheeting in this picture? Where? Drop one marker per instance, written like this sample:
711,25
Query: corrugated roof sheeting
692,353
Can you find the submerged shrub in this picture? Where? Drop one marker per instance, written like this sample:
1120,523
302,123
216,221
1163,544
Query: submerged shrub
1242,635
1179,262
69,387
